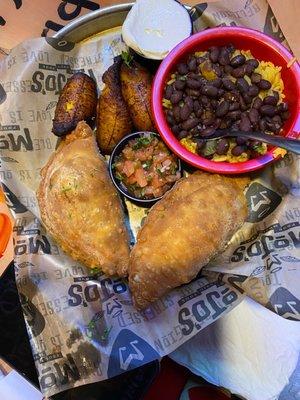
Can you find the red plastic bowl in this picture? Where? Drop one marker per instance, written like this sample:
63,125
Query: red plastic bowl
263,48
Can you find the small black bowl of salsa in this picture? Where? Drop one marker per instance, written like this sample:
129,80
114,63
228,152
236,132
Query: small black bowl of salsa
142,168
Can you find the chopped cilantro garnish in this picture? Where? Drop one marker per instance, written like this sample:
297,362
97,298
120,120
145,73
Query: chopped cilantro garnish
159,171
119,176
209,148
147,164
127,58
142,141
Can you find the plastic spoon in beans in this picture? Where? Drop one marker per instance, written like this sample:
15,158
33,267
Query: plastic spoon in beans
292,145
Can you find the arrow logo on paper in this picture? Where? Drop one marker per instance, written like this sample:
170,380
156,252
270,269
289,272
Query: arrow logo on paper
261,202
138,355
129,351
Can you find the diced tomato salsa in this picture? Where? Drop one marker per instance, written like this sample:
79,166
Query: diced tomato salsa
146,167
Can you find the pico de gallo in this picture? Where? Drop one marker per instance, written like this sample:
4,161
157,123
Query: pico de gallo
146,167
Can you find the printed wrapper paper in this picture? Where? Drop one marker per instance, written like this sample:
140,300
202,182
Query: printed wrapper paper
83,328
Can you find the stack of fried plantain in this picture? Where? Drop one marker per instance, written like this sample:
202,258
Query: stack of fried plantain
123,103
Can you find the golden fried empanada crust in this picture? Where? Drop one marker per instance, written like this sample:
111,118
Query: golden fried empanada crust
187,228
80,207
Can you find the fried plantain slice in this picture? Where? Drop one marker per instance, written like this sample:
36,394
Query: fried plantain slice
113,117
136,89
77,102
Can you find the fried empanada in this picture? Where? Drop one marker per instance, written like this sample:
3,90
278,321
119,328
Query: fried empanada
183,232
113,117
80,207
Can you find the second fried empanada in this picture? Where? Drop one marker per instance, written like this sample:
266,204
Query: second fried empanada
183,232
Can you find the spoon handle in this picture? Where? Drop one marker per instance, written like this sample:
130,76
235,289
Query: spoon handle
292,145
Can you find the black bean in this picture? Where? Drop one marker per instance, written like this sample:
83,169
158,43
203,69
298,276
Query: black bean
248,69
223,58
222,108
242,85
264,84
237,150
255,77
194,75
218,70
214,54
200,143
235,126
243,105
196,105
182,134
179,84
228,69
193,92
277,119
209,121
253,62
199,113
271,126
276,95
224,124
238,72
285,115
189,101
237,61
168,92
200,60
253,116
250,66
257,103
216,82
176,97
185,112
253,144
214,103
247,98
253,91
205,100
193,84
208,131
222,146
270,100
234,106
267,109
221,92
190,123
217,123
241,140
176,112
283,107
234,115
230,47
182,69
228,84
262,124
171,120
210,91
176,129
245,124
192,64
